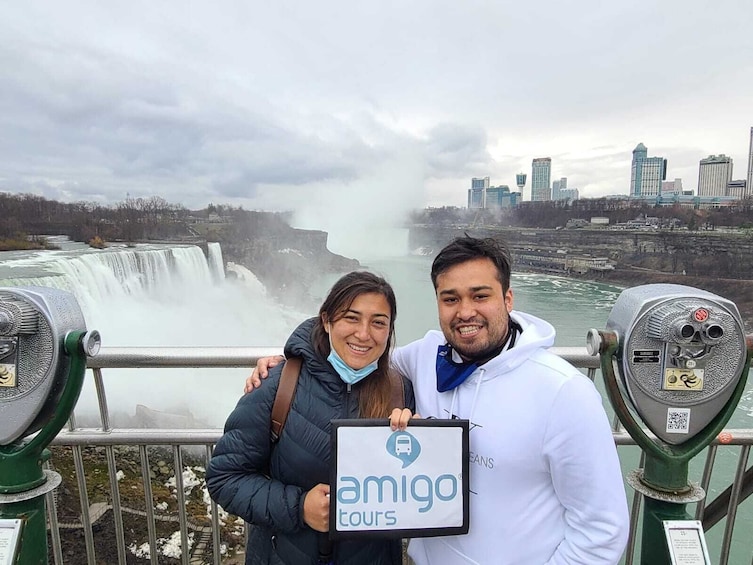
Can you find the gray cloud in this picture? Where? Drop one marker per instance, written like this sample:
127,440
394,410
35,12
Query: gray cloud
245,102
455,149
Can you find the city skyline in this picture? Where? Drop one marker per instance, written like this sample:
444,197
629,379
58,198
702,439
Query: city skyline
337,107
715,178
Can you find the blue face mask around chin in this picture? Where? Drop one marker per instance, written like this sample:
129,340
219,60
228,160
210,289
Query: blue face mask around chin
449,373
347,374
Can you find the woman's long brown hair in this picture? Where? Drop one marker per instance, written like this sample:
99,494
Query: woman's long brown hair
374,392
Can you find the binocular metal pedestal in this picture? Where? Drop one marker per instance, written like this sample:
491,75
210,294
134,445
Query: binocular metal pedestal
23,481
663,481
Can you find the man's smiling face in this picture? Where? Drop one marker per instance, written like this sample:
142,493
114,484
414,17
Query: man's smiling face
473,308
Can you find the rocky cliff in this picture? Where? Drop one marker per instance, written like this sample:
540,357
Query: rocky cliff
287,261
721,263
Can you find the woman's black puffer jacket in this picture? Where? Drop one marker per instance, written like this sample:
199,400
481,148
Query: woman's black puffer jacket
237,476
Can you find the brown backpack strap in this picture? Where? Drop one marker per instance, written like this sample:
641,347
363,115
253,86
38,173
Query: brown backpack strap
284,396
397,391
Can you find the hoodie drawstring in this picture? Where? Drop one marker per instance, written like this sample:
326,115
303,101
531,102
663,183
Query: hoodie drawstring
475,394
479,379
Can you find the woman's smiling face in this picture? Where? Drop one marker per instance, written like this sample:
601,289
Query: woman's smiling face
361,333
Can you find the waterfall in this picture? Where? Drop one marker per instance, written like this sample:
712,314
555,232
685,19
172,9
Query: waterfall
115,274
160,295
245,275
214,256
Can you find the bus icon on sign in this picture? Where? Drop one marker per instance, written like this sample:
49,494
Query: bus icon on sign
403,445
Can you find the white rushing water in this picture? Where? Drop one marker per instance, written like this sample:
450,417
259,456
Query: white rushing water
152,295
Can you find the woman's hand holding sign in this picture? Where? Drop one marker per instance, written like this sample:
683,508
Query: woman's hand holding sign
400,417
316,508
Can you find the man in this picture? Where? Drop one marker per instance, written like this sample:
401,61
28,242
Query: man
545,478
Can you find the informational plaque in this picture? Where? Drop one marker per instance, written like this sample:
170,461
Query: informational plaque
10,534
411,483
686,542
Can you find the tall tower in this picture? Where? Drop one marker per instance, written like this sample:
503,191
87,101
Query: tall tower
640,154
541,172
714,173
749,185
646,173
477,192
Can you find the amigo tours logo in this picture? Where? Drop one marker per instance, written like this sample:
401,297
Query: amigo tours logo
404,446
375,493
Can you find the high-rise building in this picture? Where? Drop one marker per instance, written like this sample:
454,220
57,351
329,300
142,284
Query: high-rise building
640,154
482,196
671,186
480,182
541,172
569,194
477,192
475,198
646,173
736,189
749,184
714,174
500,197
558,185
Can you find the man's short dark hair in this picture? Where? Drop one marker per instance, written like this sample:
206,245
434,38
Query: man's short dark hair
468,248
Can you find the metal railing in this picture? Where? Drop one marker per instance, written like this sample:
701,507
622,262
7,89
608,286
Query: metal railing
105,437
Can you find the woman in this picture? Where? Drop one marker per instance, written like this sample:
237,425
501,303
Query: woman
283,489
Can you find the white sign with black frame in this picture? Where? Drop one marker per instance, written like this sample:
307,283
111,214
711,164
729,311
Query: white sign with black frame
411,483
686,542
10,535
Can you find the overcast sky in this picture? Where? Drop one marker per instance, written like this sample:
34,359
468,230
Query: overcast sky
352,105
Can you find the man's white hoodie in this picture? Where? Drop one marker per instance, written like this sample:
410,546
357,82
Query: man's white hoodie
544,474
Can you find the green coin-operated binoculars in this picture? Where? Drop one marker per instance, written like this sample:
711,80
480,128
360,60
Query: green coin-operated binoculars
43,350
683,360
